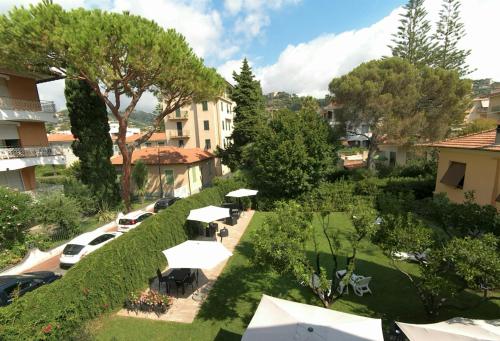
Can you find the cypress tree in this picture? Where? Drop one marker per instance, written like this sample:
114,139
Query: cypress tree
450,30
93,144
412,41
249,116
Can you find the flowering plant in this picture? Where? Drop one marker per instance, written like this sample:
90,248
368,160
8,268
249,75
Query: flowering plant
149,301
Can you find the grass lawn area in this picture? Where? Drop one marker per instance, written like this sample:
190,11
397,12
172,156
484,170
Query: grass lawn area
236,294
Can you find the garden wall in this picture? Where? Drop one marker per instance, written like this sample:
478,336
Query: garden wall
102,280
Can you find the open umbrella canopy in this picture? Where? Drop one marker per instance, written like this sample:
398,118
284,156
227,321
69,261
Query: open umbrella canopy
456,329
277,319
196,254
242,192
208,214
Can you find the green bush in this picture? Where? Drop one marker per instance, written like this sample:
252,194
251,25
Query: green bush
421,187
59,213
52,180
15,216
102,281
80,192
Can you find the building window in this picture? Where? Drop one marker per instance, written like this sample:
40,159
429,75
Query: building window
148,144
223,128
392,158
178,112
330,115
181,143
169,177
161,143
208,145
222,106
455,175
206,125
204,105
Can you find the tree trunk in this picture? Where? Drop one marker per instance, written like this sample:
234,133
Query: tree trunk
127,163
372,149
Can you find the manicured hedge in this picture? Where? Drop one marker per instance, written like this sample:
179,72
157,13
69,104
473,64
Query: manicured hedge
102,280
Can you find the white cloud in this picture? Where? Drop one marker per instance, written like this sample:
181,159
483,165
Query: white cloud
226,70
253,15
307,68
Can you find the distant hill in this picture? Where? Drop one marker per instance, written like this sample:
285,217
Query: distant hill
139,119
284,100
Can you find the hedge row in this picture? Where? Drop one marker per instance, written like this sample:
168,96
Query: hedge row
102,280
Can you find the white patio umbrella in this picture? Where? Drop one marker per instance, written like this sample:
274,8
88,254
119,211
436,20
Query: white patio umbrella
279,320
242,192
196,254
208,214
456,329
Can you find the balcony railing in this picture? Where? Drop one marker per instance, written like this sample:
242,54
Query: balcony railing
22,104
179,134
184,115
18,153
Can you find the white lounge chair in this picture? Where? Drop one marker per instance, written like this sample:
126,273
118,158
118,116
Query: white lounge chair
361,287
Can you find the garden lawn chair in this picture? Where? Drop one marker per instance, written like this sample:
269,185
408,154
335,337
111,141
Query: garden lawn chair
190,280
361,286
161,279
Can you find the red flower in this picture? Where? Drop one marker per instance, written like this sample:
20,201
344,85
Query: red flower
47,329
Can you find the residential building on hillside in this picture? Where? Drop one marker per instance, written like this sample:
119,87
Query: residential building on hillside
205,125
470,163
494,106
23,138
478,110
356,135
64,141
173,171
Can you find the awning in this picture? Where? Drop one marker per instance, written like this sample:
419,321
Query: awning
196,254
242,192
279,320
455,175
208,214
457,329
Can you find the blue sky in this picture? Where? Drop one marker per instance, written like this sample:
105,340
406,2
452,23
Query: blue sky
296,46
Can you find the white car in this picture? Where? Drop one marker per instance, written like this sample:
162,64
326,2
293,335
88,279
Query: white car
83,245
132,220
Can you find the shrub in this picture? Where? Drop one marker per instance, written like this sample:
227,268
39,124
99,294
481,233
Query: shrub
52,180
60,214
421,187
80,192
15,216
102,280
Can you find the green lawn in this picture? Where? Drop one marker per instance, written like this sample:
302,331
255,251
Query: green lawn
236,294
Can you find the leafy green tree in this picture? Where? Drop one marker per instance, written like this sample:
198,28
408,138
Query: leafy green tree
93,144
118,54
15,216
249,117
412,40
478,126
449,32
291,154
140,176
400,102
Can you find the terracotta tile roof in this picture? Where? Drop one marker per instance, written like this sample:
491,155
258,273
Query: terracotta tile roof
479,141
153,138
168,156
353,164
60,137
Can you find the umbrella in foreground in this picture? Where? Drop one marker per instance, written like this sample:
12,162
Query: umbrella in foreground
196,254
277,319
456,329
208,214
242,192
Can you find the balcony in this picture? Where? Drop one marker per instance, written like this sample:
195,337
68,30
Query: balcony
179,134
179,116
18,153
25,105
13,109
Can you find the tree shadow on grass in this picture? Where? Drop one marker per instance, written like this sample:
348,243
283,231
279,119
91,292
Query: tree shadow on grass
226,335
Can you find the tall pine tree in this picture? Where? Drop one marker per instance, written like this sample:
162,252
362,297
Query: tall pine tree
412,41
93,144
249,116
450,30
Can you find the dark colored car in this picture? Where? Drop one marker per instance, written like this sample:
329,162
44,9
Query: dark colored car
164,203
23,283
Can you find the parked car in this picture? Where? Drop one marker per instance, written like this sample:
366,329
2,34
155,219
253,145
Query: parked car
164,203
83,245
17,285
132,220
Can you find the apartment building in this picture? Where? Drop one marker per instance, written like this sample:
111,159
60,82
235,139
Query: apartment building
205,125
23,138
356,135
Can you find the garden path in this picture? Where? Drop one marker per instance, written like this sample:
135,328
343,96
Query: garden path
185,308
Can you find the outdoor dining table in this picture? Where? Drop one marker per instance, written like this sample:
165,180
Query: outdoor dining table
179,276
